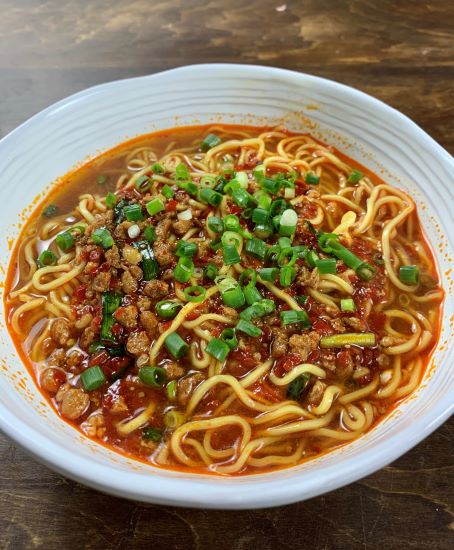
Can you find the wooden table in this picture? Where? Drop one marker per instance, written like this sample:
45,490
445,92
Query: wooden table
401,52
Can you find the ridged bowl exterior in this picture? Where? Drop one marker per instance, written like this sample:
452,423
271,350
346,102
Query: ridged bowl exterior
67,133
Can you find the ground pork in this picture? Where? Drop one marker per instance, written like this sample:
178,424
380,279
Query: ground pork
101,281
182,226
72,402
127,316
60,331
316,393
162,253
156,289
173,370
138,343
187,385
279,345
150,323
303,344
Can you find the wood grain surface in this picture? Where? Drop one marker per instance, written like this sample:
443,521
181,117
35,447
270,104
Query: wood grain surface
401,52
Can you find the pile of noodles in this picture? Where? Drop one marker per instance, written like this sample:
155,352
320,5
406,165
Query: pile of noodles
269,434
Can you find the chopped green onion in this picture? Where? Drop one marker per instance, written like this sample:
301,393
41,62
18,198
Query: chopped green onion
242,198
150,266
217,349
142,184
330,244
297,386
111,200
184,269
263,199
409,274
231,223
231,237
233,297
287,275
326,266
259,309
284,242
210,271
110,302
290,316
182,172
190,187
133,212
256,247
150,234
263,230
355,176
168,309
248,328
242,179
347,304
46,258
185,248
171,390
155,377
260,216
155,206
272,253
103,238
65,241
93,378
228,336
366,272
301,251
311,258
210,141
232,185
209,196
268,273
279,206
102,179
173,419
215,224
287,256
207,181
251,294
221,182
288,222
168,192
176,346
270,185
157,168
152,434
365,339
194,293
119,214
230,254
50,210
216,243
302,299
312,179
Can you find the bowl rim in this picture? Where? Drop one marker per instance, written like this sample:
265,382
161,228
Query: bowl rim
200,492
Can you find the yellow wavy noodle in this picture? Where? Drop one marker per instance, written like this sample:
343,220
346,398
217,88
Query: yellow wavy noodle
176,441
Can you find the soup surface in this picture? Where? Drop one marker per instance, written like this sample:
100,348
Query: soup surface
224,299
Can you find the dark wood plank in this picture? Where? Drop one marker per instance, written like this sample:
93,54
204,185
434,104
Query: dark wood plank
399,51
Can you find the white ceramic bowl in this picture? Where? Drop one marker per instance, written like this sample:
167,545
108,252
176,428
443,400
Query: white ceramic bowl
52,142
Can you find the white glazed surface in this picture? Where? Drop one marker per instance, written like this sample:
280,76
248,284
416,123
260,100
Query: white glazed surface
52,142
